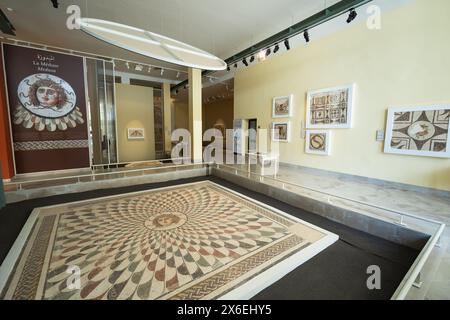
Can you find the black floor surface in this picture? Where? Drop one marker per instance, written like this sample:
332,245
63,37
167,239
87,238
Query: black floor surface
339,272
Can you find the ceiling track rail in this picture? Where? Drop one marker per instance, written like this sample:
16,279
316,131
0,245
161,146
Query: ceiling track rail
5,25
311,22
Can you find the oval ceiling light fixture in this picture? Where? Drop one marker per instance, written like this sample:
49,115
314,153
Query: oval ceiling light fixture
151,44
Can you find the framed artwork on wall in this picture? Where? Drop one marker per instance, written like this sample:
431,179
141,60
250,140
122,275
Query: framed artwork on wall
136,134
418,131
281,131
318,142
282,107
330,108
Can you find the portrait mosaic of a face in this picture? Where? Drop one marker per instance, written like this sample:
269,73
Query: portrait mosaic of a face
47,102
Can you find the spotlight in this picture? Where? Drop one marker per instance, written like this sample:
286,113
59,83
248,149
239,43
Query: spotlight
252,59
178,74
55,4
162,72
149,69
228,68
235,65
352,15
277,47
261,56
306,35
268,51
176,91
244,61
287,45
128,65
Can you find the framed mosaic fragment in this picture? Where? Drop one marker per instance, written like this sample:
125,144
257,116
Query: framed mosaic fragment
330,108
192,241
136,133
281,131
318,142
282,107
418,131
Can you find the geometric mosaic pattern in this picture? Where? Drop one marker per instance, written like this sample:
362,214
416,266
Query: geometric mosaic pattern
50,145
329,108
195,241
421,130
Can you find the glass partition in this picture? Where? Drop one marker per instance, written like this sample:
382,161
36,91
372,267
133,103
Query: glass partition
100,86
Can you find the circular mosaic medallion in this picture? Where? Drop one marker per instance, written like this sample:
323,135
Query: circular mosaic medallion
421,130
166,221
317,141
46,96
47,102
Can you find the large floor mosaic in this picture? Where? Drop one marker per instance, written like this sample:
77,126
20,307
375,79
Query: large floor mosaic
194,241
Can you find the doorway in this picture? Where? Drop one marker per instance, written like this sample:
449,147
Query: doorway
251,145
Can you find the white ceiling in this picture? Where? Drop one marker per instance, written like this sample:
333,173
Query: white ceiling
220,27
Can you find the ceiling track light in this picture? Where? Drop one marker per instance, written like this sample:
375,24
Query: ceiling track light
277,47
261,56
268,52
55,4
149,69
244,61
306,36
252,59
228,68
352,15
128,65
287,45
178,74
235,65
162,72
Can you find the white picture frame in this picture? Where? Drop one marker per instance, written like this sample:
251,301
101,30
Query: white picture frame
287,131
276,101
320,147
330,124
136,133
419,131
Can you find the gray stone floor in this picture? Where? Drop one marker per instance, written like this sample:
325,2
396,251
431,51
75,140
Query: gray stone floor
424,204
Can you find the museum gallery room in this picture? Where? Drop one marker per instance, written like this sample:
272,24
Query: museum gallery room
225,150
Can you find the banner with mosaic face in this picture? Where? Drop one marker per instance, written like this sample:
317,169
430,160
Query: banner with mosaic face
330,108
47,107
420,131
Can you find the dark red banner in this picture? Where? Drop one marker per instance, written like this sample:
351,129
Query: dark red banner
47,107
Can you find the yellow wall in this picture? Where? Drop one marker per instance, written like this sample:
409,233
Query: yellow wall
407,62
135,110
